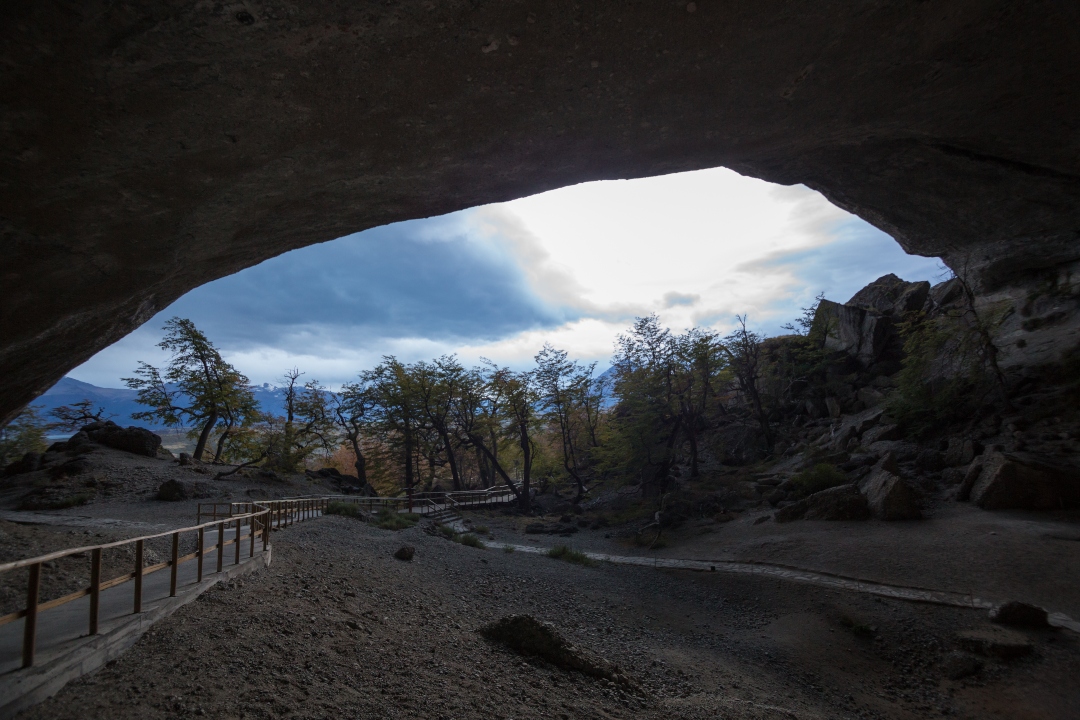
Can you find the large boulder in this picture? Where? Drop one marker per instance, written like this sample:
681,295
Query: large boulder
843,502
1009,481
136,440
890,497
865,326
175,490
29,462
528,636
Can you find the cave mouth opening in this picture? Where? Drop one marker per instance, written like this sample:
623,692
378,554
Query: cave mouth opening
572,266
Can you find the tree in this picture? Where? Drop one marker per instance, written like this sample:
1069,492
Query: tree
352,413
647,420
698,363
197,386
436,385
743,348
519,402
394,410
24,434
308,424
479,411
74,416
568,395
805,322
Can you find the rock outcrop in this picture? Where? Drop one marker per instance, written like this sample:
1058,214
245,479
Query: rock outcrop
1012,481
136,440
150,133
890,497
844,502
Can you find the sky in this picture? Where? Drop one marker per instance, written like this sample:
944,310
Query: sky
573,267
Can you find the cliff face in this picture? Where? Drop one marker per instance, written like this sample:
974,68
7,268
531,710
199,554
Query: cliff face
147,148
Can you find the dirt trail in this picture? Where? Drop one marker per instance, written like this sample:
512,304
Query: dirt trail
337,628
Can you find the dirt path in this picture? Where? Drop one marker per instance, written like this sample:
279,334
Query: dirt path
337,628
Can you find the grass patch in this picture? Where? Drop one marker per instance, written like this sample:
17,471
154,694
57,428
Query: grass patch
345,509
508,549
447,532
471,540
389,520
820,477
481,530
563,552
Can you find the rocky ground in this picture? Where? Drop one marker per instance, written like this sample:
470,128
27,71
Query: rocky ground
337,627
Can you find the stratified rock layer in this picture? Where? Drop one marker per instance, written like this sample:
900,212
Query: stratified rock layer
147,148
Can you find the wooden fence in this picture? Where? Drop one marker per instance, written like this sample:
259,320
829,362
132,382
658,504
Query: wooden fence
256,518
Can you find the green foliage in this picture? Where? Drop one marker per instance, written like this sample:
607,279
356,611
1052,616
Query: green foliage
447,532
345,509
563,552
820,477
941,383
668,387
197,388
471,540
508,549
26,433
38,502
390,520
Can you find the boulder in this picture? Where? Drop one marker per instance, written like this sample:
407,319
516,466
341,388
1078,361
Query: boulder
880,433
1020,614
29,462
185,459
1020,481
994,642
889,295
843,502
135,440
405,553
890,497
528,636
175,490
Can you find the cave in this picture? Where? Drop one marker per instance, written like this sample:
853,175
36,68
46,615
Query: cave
148,148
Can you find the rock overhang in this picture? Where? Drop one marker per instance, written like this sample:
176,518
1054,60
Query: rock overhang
147,148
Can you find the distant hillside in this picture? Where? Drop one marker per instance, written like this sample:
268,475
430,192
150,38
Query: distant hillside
121,402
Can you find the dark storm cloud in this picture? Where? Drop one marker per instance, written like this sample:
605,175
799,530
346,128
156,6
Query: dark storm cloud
424,278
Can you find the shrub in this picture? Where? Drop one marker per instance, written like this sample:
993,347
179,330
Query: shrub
472,541
337,507
562,552
820,477
390,520
508,549
481,530
447,532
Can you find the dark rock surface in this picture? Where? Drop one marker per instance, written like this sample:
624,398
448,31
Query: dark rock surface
175,490
528,636
144,134
844,502
1020,614
890,497
136,440
1008,481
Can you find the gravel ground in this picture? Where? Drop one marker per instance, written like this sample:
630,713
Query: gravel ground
337,628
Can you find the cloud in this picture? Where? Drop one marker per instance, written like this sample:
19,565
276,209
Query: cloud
671,299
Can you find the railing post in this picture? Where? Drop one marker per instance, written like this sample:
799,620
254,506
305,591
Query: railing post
33,586
408,491
251,532
202,551
138,575
174,563
95,589
220,545
239,524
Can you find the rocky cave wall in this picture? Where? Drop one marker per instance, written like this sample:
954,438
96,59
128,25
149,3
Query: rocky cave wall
149,147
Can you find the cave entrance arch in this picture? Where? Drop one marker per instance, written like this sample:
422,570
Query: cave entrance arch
147,150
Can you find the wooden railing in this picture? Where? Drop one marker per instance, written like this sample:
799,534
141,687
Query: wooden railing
256,521
258,517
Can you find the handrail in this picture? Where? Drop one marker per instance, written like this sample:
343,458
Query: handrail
258,516
262,518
